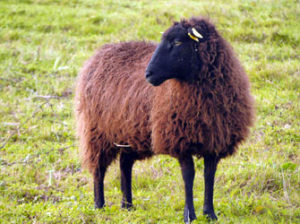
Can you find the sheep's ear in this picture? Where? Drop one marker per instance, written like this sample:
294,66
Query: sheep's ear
194,34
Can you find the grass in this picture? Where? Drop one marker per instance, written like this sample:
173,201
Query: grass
43,44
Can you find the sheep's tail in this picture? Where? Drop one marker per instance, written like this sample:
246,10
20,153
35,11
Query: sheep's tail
89,147
88,154
94,148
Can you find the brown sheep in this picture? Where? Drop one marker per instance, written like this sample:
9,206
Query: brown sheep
203,109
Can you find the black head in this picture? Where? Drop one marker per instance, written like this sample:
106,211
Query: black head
177,56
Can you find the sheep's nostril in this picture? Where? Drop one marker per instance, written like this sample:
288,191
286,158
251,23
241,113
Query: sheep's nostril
148,74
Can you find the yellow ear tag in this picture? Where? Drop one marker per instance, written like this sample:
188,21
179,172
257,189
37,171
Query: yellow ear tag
193,37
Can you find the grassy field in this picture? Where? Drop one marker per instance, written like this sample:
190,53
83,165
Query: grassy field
43,44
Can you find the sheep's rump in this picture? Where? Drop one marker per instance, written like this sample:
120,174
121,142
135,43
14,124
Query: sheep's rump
113,102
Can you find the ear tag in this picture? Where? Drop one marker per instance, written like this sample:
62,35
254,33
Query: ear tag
193,37
196,33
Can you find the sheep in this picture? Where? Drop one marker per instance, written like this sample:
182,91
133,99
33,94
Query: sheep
194,100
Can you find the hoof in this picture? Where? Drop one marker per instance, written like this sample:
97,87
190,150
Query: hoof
99,205
210,215
188,215
126,205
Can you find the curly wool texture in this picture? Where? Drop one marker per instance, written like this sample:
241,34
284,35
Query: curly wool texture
115,104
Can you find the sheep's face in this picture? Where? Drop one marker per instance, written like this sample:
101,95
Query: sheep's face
175,56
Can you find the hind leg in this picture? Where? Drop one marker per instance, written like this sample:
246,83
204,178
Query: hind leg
104,161
126,163
99,186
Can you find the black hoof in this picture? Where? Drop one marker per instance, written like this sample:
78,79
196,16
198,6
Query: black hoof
210,215
188,215
99,205
126,205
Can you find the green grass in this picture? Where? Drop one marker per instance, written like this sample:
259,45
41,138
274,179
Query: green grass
43,44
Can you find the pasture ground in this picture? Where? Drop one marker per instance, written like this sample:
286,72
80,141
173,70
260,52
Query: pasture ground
43,44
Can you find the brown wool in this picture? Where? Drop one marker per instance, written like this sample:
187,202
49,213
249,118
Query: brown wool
116,106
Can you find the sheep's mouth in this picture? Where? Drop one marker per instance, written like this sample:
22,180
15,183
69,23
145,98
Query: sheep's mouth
155,81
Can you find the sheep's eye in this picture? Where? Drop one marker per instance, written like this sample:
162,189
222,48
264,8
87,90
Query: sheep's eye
177,43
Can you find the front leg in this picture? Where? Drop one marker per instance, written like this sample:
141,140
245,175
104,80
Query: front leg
188,174
210,167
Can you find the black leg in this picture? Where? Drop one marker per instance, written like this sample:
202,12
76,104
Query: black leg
98,187
210,167
188,174
126,164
